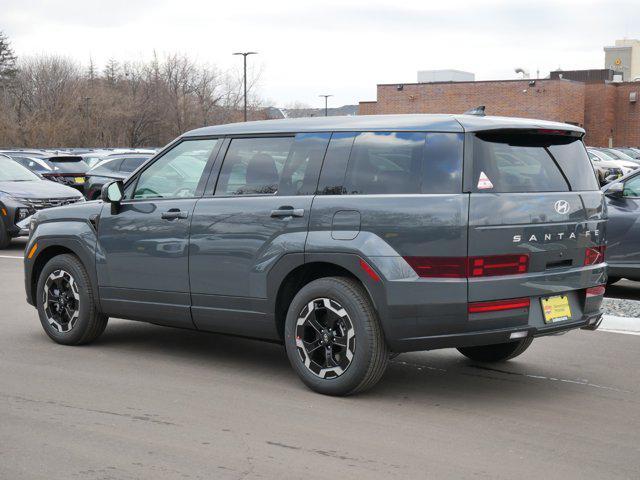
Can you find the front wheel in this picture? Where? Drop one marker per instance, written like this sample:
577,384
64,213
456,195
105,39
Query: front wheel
333,338
5,239
66,302
496,353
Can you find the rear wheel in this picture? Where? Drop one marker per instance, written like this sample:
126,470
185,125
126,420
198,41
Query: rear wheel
333,338
66,302
496,353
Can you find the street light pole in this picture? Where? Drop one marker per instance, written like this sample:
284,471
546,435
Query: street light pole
245,55
326,110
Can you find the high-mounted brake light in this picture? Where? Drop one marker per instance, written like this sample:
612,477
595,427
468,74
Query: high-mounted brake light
499,305
594,255
462,267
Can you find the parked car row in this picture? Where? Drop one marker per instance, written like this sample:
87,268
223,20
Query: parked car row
612,163
32,180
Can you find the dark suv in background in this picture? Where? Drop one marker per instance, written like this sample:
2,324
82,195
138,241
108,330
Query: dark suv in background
23,193
349,239
111,168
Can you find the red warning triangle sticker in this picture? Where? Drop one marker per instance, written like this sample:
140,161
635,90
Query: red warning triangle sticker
483,182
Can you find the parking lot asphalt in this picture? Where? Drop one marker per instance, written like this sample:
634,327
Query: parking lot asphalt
160,403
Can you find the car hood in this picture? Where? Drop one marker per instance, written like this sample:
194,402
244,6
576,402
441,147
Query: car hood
37,189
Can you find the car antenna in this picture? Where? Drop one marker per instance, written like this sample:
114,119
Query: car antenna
478,111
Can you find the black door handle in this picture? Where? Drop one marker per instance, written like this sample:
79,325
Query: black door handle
173,214
288,212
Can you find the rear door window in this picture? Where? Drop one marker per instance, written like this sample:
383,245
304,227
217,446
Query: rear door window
393,163
523,162
273,165
385,163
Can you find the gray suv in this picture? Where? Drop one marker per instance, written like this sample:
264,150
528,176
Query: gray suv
349,239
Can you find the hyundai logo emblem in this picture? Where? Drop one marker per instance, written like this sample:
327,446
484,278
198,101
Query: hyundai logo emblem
562,207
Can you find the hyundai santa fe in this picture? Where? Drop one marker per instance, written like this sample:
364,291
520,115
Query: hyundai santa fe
348,239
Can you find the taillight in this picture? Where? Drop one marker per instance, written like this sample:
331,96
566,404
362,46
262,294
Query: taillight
439,267
498,265
594,255
462,267
597,291
499,305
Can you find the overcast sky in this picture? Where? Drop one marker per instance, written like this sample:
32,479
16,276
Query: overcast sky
342,47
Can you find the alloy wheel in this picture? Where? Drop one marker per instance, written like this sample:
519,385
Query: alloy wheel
61,300
325,338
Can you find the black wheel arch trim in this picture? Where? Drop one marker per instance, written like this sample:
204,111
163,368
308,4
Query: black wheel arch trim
350,262
71,245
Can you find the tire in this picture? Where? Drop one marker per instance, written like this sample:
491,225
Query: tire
61,273
5,239
612,280
358,350
496,353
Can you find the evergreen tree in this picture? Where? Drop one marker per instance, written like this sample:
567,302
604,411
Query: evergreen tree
8,67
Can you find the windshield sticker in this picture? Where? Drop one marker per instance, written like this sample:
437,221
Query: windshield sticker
483,182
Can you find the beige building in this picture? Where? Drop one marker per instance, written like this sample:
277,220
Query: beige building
624,59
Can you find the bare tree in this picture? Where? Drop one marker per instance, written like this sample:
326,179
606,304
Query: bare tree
54,101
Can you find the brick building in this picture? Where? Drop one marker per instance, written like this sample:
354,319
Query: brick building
608,111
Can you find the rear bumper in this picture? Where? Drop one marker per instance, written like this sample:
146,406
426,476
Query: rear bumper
490,337
426,314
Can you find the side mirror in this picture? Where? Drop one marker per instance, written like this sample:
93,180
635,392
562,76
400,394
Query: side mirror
616,190
113,193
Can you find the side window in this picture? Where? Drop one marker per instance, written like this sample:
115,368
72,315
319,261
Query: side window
130,164
300,173
386,163
335,164
253,166
177,173
273,165
442,167
111,165
632,187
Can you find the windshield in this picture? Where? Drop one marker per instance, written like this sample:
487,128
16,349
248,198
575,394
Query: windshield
11,171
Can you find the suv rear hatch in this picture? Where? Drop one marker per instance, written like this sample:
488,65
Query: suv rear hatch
536,230
68,170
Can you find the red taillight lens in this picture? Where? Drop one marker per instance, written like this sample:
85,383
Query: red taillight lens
597,291
439,267
594,255
461,267
499,305
498,265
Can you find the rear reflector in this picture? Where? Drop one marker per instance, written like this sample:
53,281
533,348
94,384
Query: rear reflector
499,305
370,271
595,291
594,255
462,267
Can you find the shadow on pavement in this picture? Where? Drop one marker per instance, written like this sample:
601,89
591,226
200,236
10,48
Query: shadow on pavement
625,289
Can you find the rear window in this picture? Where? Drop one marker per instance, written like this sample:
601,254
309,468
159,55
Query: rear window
391,163
523,162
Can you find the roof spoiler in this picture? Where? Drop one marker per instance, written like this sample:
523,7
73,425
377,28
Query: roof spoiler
477,111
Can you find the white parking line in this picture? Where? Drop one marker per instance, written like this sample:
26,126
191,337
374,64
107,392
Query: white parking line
11,256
